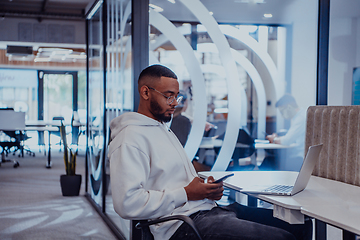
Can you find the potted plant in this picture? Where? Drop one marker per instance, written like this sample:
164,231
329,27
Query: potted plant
70,182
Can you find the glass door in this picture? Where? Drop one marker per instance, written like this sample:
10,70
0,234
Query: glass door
58,97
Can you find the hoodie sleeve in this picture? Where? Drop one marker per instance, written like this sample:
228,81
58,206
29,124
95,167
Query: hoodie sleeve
129,171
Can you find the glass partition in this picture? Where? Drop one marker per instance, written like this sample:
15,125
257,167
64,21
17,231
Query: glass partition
19,90
110,94
235,60
119,85
344,52
96,103
234,68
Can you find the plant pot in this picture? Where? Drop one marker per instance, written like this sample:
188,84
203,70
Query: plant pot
70,185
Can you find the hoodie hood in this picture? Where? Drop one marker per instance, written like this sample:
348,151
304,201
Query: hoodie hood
130,118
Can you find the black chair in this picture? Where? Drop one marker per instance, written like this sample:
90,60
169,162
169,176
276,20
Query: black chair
145,233
17,143
6,146
10,121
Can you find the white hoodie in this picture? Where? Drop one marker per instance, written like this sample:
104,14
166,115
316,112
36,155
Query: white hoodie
149,170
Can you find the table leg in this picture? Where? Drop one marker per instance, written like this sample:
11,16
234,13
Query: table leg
252,201
22,144
48,163
320,230
348,235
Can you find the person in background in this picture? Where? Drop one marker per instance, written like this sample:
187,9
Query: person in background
295,136
152,176
181,124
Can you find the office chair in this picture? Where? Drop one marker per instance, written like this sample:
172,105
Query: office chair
17,143
12,124
6,146
143,225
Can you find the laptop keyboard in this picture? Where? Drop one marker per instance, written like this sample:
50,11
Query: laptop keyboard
279,189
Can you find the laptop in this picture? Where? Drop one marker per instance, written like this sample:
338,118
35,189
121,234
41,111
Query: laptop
301,181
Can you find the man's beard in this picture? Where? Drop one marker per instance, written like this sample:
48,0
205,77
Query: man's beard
156,110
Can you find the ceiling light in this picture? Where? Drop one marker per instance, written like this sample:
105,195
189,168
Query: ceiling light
79,56
250,1
155,8
42,59
211,13
267,15
172,1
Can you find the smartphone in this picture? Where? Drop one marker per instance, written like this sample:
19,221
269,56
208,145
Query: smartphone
224,177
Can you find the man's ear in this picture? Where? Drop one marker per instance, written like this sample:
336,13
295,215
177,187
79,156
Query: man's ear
144,92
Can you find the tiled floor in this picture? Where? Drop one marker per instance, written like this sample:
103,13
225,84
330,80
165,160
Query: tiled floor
32,206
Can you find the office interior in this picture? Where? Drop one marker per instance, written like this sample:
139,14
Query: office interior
234,60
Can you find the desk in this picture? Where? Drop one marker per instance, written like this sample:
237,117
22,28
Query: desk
76,127
209,143
43,129
268,146
330,201
333,202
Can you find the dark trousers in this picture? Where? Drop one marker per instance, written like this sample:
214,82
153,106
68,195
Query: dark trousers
241,222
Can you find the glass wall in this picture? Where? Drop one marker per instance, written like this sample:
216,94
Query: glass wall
344,52
110,94
19,90
235,61
119,83
96,105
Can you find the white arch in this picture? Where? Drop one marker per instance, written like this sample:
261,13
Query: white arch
234,86
254,76
247,40
193,66
233,32
258,50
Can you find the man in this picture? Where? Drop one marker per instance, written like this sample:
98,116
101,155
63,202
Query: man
295,136
180,124
152,177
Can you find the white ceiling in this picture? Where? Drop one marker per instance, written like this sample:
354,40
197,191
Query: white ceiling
225,11
239,11
252,11
72,9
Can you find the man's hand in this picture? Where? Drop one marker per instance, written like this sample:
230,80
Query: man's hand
198,190
273,138
208,126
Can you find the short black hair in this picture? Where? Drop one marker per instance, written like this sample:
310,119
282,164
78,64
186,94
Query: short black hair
154,72
158,71
287,99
